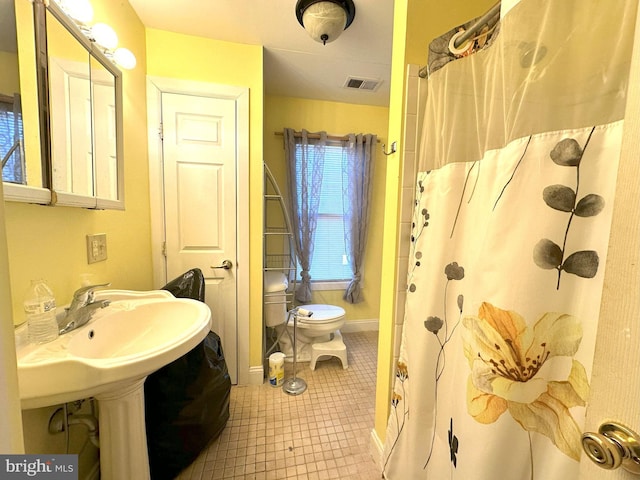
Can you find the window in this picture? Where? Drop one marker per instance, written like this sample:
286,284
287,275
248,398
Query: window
11,151
330,261
330,196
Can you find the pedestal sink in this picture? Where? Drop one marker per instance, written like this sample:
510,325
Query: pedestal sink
109,358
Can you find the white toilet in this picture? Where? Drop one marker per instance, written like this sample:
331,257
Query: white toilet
316,336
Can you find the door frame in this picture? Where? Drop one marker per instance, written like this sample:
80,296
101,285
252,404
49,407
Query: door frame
156,86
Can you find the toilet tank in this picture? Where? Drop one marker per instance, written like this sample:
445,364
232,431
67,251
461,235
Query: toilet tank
275,299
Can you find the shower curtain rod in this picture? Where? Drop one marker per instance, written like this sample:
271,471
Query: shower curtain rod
316,136
486,19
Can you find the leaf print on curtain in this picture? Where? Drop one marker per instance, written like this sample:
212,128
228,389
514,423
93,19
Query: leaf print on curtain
493,357
528,371
519,191
443,331
549,255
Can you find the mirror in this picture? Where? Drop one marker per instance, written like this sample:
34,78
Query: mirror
22,171
105,131
69,112
84,91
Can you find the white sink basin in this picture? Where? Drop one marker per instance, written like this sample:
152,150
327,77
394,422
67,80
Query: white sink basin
109,358
138,333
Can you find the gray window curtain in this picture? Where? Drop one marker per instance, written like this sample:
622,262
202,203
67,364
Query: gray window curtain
304,181
357,168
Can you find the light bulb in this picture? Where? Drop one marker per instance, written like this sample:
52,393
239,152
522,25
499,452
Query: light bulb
124,58
104,35
79,10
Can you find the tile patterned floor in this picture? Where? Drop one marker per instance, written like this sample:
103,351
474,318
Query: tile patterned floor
321,434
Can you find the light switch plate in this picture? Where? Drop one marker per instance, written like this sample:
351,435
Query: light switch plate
96,247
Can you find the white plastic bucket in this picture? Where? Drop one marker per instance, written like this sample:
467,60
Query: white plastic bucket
276,369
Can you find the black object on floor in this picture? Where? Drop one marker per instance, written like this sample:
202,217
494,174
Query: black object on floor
186,401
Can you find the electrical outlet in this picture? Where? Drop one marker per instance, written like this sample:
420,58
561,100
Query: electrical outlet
96,247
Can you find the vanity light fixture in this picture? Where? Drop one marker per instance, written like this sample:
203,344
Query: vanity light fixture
105,36
325,20
124,58
79,10
100,34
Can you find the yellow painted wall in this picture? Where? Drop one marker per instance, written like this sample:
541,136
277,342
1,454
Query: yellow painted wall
49,242
391,222
194,58
416,23
339,119
28,91
9,80
12,440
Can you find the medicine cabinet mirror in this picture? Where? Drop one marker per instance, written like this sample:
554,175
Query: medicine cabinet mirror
84,89
70,151
22,163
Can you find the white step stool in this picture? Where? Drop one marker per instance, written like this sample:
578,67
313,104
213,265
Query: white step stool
333,348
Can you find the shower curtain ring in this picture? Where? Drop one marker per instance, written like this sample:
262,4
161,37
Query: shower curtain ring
393,148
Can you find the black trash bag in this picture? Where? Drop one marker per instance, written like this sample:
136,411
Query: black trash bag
188,285
186,401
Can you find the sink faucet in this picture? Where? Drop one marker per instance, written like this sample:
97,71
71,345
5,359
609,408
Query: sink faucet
82,308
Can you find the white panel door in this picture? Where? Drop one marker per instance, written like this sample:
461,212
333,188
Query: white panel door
199,150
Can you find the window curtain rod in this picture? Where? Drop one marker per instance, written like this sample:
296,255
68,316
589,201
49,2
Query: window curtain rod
316,136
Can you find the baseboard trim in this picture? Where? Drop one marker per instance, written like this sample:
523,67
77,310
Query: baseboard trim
376,448
360,326
256,375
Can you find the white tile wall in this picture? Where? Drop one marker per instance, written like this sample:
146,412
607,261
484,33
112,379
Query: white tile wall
415,97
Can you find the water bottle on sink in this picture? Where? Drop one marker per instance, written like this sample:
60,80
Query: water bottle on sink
40,310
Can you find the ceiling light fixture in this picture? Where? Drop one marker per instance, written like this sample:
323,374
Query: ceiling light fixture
325,20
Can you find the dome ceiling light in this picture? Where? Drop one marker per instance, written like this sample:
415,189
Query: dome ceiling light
325,20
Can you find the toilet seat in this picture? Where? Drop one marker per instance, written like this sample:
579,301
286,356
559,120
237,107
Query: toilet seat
321,314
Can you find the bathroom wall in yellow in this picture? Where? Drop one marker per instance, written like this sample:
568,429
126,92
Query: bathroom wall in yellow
204,60
49,242
391,222
9,80
28,91
338,119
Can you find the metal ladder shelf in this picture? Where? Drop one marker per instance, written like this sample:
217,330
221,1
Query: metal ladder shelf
278,248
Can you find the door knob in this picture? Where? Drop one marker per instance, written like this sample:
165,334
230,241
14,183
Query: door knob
226,264
613,446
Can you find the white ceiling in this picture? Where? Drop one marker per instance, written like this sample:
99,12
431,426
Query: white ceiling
294,64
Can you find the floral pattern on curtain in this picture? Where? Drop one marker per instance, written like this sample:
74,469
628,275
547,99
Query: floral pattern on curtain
517,172
496,352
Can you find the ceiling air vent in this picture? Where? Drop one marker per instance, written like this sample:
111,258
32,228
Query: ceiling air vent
369,84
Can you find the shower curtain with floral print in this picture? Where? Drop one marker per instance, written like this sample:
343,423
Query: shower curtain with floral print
514,196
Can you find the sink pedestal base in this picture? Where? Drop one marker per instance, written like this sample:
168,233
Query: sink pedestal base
123,437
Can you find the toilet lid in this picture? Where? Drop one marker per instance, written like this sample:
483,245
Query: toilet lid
322,313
